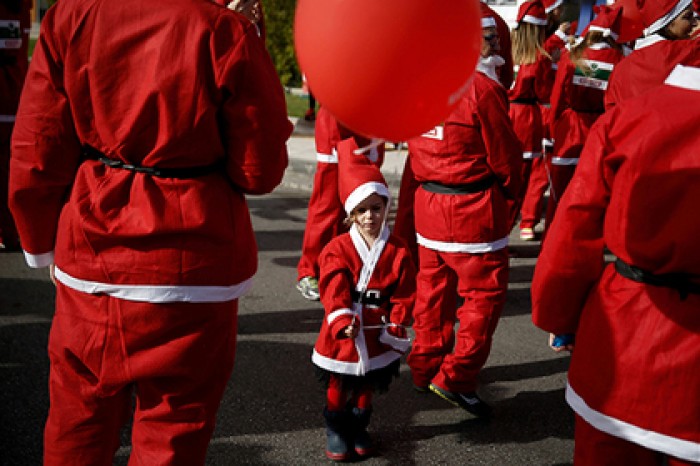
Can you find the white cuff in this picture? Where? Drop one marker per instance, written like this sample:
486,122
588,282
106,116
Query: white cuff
37,261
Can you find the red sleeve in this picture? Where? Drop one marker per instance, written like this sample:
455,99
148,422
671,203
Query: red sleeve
335,285
559,101
572,259
404,296
45,149
503,149
254,126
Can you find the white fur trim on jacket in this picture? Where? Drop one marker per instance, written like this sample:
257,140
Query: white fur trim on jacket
470,248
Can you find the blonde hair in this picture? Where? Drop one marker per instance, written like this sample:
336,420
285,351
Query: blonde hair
592,37
527,43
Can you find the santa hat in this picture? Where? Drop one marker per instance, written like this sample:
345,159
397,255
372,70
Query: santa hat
532,12
658,13
487,18
358,178
607,21
550,5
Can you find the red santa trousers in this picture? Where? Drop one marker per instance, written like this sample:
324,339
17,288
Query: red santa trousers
533,200
324,219
593,447
404,222
481,280
559,177
176,358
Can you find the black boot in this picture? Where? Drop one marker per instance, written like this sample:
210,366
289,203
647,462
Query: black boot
363,443
337,432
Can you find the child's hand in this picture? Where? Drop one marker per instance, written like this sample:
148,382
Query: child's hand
351,331
396,331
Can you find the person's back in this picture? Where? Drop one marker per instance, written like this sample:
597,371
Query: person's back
635,321
159,84
141,127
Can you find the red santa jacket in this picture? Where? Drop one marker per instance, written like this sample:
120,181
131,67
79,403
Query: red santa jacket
174,84
475,143
533,86
634,371
577,100
14,44
391,283
648,65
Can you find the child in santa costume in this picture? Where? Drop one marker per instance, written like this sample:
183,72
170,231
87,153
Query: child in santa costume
367,284
469,170
325,215
666,42
532,87
633,380
577,97
131,158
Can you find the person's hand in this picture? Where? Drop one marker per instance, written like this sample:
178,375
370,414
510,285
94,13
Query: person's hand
351,331
566,342
248,8
396,331
52,273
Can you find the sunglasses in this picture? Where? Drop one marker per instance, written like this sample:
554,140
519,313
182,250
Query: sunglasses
490,37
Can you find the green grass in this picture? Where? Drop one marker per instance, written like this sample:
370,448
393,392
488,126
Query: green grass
297,105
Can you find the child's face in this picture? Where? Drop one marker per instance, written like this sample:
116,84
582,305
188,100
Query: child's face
369,215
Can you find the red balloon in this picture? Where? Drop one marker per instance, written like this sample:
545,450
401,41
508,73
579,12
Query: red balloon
631,26
390,69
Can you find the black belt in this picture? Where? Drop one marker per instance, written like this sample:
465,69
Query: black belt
369,298
678,281
180,173
465,188
524,101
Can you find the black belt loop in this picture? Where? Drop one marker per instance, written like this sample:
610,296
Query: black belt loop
466,188
678,281
179,173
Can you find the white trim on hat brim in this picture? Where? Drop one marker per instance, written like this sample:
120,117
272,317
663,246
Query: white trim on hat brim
553,6
488,22
606,31
668,17
534,20
363,191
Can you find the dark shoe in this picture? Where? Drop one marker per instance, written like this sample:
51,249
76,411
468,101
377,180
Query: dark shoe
308,287
337,431
421,389
363,443
469,402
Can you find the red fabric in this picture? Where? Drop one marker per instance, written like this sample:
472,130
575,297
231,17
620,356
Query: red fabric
326,212
336,397
482,280
633,75
595,448
393,278
637,181
117,226
101,348
404,221
505,72
13,68
559,177
533,199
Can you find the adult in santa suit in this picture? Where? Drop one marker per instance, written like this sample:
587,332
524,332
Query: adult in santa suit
577,97
532,87
469,170
538,181
666,42
325,215
404,223
633,380
15,25
368,290
132,152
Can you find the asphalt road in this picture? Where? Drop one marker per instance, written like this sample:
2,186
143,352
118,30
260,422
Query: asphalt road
271,412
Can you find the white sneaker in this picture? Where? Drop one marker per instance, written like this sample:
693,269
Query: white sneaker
308,287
